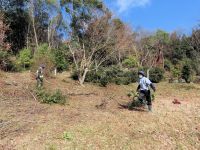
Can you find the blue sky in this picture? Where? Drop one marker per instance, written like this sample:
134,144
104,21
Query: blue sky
168,15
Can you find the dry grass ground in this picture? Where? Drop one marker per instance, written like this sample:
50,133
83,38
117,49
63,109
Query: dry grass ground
93,119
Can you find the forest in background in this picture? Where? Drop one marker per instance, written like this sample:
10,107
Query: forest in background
83,36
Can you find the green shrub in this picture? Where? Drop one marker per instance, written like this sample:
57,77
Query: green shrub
176,72
93,76
196,66
47,97
168,65
175,61
113,72
136,102
6,63
25,58
186,73
126,78
42,50
156,75
125,81
43,55
193,64
132,75
130,62
109,75
60,58
119,76
104,81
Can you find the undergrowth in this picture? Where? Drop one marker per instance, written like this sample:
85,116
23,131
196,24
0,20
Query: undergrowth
136,102
51,98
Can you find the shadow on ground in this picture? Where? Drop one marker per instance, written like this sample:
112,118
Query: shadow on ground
128,107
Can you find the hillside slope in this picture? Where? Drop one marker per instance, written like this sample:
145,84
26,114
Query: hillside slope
93,118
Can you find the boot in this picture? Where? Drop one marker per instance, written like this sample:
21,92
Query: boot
150,108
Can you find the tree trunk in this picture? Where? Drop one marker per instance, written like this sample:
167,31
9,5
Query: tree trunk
82,77
148,70
55,71
96,66
119,58
35,33
33,22
49,42
27,37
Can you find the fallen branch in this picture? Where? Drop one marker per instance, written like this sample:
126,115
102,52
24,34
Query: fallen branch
33,95
79,94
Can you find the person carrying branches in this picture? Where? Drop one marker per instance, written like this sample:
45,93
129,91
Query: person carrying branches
144,89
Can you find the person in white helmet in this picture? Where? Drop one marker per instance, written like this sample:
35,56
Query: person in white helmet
144,88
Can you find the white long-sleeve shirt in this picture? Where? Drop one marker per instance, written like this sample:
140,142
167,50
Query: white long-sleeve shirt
144,83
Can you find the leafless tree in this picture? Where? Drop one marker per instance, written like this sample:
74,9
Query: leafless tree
150,51
125,42
101,40
195,38
4,46
32,16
